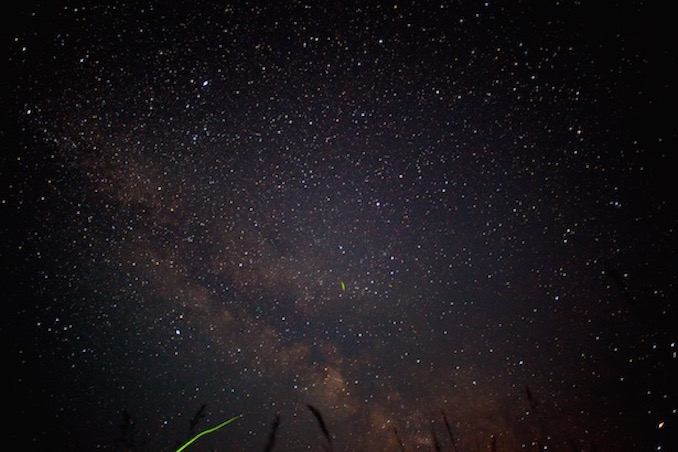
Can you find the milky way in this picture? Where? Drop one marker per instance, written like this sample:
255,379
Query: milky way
408,217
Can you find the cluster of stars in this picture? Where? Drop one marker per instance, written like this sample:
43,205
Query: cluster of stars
383,210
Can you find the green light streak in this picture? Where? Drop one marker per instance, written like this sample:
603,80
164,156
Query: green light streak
343,286
208,431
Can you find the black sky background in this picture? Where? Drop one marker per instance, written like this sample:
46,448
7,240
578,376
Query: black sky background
185,186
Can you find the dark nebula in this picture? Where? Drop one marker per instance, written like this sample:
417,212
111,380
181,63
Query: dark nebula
363,226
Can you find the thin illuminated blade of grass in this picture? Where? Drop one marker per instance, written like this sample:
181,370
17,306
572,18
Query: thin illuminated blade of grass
208,431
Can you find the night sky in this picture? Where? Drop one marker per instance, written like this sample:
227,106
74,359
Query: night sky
445,225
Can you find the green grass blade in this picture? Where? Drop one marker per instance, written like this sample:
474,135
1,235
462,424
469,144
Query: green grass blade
208,431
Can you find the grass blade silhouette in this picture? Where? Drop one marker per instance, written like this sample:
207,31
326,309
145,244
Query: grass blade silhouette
127,432
538,414
323,426
400,442
449,432
196,418
436,443
271,436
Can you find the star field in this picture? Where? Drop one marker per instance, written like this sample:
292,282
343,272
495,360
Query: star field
445,226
